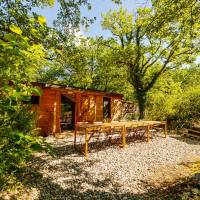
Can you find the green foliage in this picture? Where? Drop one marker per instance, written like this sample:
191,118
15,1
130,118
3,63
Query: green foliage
175,98
31,51
17,145
187,108
140,61
18,137
89,64
160,38
69,17
41,20
15,29
163,96
120,22
22,55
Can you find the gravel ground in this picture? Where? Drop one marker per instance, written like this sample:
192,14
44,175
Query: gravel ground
110,172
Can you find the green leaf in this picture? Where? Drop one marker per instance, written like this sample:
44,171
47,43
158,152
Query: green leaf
36,147
51,3
2,43
41,20
36,91
15,29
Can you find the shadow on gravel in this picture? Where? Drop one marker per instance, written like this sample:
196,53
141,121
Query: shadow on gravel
95,145
68,180
186,139
66,150
69,149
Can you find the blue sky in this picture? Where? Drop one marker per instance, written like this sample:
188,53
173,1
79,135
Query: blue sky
98,7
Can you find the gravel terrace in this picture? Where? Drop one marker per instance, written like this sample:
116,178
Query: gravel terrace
111,172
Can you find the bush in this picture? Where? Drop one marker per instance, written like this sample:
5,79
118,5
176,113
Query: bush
180,109
187,108
18,140
161,106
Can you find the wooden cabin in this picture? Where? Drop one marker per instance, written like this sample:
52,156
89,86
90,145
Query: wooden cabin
59,108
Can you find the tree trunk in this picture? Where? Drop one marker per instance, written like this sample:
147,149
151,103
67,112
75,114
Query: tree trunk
141,98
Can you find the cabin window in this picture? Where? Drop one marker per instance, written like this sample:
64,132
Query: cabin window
106,108
35,100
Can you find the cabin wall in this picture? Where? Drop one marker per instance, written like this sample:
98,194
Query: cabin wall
46,111
91,108
88,107
99,108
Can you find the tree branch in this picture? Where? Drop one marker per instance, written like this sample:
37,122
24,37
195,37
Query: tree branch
149,65
143,65
156,75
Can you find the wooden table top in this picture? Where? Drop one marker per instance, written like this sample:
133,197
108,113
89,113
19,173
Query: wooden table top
116,123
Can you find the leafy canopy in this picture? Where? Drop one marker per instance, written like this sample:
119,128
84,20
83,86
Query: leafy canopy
159,38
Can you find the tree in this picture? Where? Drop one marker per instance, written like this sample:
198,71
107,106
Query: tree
161,37
22,53
69,16
89,65
73,55
28,47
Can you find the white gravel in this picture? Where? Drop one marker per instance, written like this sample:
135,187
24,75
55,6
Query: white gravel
111,172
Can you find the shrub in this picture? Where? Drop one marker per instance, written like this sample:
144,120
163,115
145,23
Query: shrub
187,108
18,140
180,109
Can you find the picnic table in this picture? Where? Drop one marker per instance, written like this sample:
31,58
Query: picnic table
90,129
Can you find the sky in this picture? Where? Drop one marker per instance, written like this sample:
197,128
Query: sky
98,7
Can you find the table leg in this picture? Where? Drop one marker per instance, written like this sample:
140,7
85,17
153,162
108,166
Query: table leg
86,143
75,132
165,129
109,130
123,136
148,133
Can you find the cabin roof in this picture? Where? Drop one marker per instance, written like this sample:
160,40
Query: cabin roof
47,85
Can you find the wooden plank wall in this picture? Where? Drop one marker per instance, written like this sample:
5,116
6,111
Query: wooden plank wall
46,111
99,108
88,107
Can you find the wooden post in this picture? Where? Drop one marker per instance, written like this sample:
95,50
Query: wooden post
86,143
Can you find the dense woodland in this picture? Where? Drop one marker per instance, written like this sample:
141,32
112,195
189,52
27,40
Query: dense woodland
152,58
